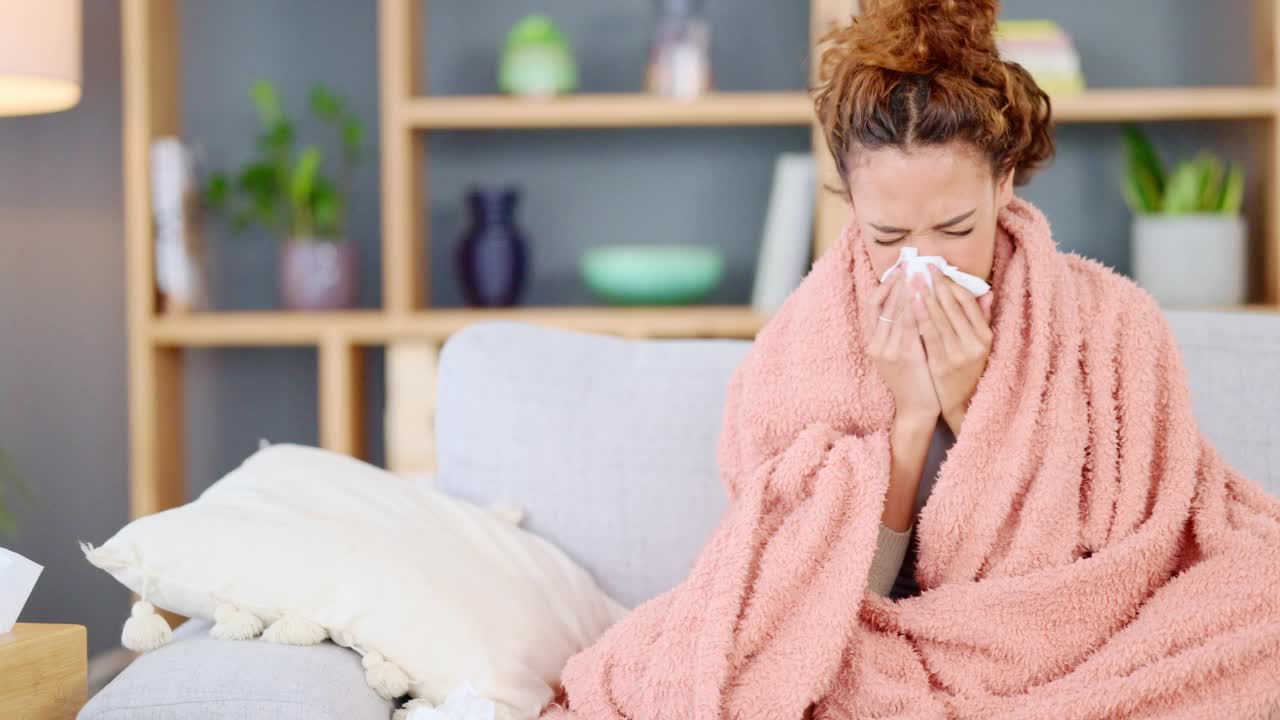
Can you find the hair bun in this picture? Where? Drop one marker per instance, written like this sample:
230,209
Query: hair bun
930,36
908,72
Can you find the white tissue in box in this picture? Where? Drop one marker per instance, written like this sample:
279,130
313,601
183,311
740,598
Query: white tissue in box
17,578
916,264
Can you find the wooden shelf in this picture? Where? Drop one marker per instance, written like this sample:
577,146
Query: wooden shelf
373,327
490,112
607,111
1150,104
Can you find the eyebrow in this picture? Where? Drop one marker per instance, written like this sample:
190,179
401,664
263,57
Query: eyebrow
939,226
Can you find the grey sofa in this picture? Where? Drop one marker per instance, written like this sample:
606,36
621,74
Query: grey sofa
608,444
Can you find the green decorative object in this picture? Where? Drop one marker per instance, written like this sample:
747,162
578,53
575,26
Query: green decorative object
1199,185
537,60
13,492
652,274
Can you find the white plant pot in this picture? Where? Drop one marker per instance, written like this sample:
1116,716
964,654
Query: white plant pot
1191,260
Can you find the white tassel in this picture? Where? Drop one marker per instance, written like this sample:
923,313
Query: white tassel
387,679
263,443
293,630
341,638
232,623
510,513
145,631
416,703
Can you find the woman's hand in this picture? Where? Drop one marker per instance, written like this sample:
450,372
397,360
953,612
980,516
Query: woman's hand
956,328
899,355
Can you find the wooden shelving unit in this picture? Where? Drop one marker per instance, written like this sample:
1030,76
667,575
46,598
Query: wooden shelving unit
411,331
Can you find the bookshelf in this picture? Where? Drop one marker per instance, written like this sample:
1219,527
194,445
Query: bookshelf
410,330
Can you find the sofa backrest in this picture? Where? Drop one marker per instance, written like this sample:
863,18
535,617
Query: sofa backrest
1233,366
609,444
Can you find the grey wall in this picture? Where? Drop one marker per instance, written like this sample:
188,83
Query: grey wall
62,410
62,349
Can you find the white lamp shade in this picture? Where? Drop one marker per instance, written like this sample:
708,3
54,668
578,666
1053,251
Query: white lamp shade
39,56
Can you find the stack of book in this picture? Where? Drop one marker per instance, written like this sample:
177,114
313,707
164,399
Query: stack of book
1045,50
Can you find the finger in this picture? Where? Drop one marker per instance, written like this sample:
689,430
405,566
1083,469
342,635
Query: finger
935,320
972,333
927,329
882,290
901,310
969,306
893,342
912,342
948,297
886,309
985,302
903,307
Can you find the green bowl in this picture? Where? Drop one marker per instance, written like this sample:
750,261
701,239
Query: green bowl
652,274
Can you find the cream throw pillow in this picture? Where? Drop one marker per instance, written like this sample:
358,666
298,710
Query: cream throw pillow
307,544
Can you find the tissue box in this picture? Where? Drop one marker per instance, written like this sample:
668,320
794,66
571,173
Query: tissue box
17,578
43,671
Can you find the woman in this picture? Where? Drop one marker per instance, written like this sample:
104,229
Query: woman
930,130
1082,552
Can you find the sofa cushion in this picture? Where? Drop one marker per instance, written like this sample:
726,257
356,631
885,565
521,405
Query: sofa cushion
196,676
1232,360
607,444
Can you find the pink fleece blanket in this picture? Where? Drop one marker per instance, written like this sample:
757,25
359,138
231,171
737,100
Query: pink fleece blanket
1084,553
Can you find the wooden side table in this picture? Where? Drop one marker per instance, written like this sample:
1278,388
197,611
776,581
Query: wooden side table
43,672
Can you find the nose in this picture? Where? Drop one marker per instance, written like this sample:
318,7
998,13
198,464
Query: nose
926,246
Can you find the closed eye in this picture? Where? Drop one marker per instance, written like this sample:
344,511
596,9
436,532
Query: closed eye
952,233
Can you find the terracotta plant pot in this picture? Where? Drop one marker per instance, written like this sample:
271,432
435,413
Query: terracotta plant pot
318,274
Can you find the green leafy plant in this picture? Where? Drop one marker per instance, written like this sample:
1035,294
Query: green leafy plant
285,190
12,492
1199,185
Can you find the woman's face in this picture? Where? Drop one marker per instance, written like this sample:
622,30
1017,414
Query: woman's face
941,199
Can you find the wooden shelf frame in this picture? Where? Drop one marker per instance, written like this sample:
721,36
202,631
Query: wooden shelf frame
411,331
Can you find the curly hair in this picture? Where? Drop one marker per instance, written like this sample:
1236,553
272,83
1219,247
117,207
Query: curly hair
925,72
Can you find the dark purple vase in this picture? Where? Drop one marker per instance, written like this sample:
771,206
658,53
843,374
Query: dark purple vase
492,255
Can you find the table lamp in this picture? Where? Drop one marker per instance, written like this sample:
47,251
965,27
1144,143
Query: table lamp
39,56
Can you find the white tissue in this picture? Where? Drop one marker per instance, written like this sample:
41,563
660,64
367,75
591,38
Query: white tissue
461,704
17,578
917,264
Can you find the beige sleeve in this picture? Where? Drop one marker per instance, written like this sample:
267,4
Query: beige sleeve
891,548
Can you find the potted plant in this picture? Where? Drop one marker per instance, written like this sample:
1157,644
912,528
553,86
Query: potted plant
291,194
1189,236
12,491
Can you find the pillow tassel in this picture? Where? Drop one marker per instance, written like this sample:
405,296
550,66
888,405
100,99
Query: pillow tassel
293,630
232,623
508,512
145,631
386,678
